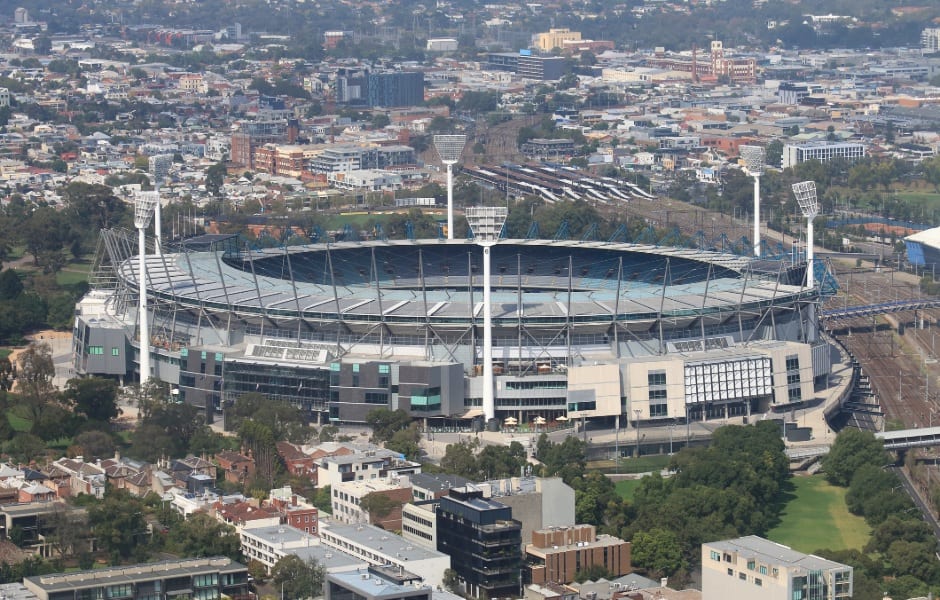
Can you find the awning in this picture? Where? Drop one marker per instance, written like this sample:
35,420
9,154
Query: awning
472,413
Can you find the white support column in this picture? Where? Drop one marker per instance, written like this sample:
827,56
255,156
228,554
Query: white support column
157,227
489,399
757,215
810,275
450,200
144,333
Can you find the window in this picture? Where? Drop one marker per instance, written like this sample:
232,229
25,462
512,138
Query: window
794,394
731,572
742,576
758,582
658,410
115,351
763,569
96,350
793,377
376,398
793,363
383,369
715,555
657,394
656,378
751,565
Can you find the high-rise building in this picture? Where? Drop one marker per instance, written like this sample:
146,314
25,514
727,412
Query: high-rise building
930,39
395,89
483,541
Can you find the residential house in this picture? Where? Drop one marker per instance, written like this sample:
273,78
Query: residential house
237,468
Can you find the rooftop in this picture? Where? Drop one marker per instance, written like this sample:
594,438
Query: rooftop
769,552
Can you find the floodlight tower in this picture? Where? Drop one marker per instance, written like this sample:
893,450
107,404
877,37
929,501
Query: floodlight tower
449,148
805,192
754,162
144,204
159,166
486,222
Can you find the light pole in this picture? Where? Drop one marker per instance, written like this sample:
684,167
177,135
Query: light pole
805,192
159,166
143,211
486,222
449,148
754,162
672,426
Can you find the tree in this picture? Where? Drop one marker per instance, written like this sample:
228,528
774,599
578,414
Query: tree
202,535
215,178
6,374
385,422
852,449
378,506
406,442
93,444
658,551
451,581
95,397
773,155
36,371
118,523
593,573
298,578
460,459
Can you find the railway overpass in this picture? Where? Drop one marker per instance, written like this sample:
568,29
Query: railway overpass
910,438
882,308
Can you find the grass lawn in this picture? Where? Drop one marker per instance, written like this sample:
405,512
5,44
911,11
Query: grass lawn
5,352
644,464
815,517
626,488
18,423
72,276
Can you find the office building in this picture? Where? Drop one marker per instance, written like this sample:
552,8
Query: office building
205,578
483,542
930,39
556,555
752,568
794,154
555,38
379,547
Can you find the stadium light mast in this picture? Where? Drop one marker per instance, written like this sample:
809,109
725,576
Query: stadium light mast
159,167
144,204
486,222
805,192
449,148
754,163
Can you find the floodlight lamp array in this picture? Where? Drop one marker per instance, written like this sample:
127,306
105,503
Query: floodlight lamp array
805,192
486,222
449,147
144,203
753,159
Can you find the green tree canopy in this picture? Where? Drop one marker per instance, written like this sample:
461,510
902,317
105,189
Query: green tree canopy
852,449
94,397
298,578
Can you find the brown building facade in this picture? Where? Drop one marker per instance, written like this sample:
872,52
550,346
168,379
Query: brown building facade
558,554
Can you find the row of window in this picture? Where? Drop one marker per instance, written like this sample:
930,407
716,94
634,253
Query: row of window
99,351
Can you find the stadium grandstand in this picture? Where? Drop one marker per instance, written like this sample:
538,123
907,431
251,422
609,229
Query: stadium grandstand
580,330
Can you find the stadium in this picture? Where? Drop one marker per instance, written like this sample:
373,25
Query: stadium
580,330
